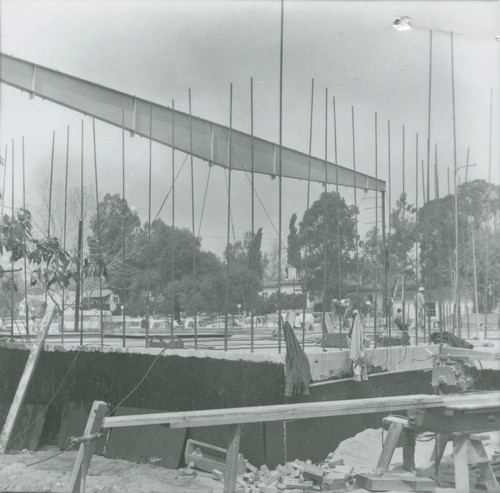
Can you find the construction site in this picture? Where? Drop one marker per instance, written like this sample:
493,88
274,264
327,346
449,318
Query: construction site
249,246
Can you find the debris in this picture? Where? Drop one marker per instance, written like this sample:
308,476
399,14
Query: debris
313,472
218,475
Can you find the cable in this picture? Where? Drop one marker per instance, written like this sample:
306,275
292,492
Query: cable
52,456
204,201
138,384
406,352
168,193
428,439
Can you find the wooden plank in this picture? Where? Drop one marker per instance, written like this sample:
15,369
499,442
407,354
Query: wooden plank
233,449
408,450
472,406
488,477
437,453
213,417
84,456
401,481
25,380
390,442
473,354
461,466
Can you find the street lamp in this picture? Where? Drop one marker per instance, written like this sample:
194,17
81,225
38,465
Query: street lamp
457,308
239,312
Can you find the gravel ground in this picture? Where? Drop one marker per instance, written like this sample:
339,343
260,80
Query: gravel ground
111,475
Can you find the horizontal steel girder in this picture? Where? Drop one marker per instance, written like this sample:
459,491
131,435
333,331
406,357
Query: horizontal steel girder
210,140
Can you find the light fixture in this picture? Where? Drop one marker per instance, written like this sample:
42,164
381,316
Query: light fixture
402,24
497,38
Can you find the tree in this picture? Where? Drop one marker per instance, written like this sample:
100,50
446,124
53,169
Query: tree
254,254
240,270
402,238
478,207
118,226
318,230
50,265
116,219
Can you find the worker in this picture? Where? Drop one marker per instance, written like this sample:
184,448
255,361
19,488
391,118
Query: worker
356,340
420,309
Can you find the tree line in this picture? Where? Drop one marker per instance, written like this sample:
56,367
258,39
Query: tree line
325,248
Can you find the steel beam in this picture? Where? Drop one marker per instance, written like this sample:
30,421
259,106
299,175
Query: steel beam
209,140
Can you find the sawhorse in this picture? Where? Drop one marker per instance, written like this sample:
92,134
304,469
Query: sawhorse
467,449
94,424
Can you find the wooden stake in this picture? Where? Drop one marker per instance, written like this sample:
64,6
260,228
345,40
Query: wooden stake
390,443
233,448
82,462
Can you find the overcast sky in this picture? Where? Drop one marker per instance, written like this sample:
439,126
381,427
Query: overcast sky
159,50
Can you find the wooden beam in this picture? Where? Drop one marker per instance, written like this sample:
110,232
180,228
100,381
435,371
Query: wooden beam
84,456
472,354
390,443
26,377
233,449
461,464
258,414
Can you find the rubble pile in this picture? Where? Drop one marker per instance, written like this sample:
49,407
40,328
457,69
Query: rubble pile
330,475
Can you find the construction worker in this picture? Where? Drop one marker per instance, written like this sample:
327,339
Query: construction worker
420,309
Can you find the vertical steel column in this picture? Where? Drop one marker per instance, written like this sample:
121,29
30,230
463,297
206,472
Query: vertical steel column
79,294
457,307
325,210
228,247
425,226
416,236
429,119
4,177
172,260
124,325
487,266
280,176
192,226
252,288
50,198
308,200
12,263
388,263
385,260
355,199
99,251
65,228
376,236
339,243
404,220
50,186
26,314
150,167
